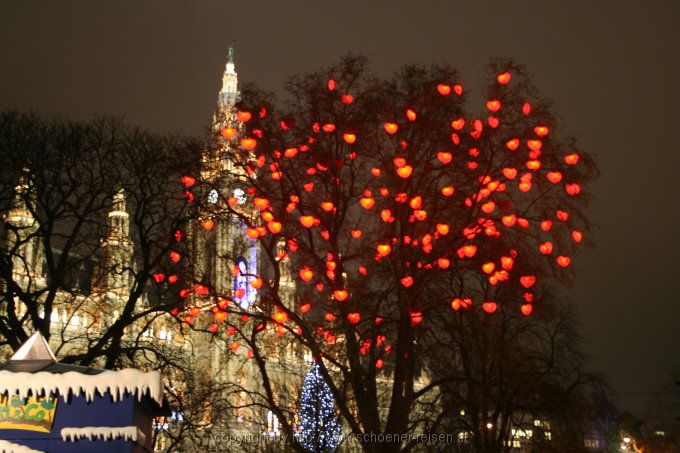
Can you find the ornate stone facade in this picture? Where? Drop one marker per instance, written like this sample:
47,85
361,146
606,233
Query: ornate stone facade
223,258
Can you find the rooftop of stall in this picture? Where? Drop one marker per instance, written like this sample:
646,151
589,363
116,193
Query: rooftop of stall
54,422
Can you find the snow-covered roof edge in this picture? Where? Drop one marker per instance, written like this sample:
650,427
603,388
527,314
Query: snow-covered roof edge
101,432
10,447
117,382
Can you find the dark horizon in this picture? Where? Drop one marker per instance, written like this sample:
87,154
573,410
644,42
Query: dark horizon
608,66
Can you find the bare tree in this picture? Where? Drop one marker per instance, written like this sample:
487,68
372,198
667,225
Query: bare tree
400,215
91,218
514,378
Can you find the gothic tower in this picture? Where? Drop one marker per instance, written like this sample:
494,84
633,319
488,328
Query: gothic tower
23,241
225,259
118,250
114,277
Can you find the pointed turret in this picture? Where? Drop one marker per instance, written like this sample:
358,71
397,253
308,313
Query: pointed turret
20,215
118,248
229,94
217,160
23,240
119,221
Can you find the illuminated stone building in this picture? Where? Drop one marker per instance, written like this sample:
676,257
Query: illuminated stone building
223,259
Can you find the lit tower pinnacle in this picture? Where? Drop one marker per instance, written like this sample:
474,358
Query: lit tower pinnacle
229,94
23,240
118,247
219,156
119,220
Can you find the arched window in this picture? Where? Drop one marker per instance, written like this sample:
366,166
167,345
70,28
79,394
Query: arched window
244,293
272,424
241,287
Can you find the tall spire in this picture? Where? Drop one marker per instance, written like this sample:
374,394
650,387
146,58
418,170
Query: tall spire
25,244
20,213
230,54
118,248
229,93
119,221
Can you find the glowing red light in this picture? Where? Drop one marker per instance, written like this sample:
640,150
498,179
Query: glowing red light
504,78
458,124
512,144
405,171
367,202
280,317
493,105
572,189
443,89
444,157
488,267
201,290
541,131
274,227
563,261
391,128
244,117
546,248
510,173
229,133
307,221
527,281
220,316
306,274
248,144
340,295
554,176
489,306
188,181
571,159
534,145
349,138
407,281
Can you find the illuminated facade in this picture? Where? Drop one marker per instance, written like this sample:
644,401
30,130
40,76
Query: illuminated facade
228,261
223,259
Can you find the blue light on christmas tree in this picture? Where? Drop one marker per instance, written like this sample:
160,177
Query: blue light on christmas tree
319,426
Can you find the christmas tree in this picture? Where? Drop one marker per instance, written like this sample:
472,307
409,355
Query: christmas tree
319,426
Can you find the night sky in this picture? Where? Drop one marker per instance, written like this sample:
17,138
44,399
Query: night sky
612,68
